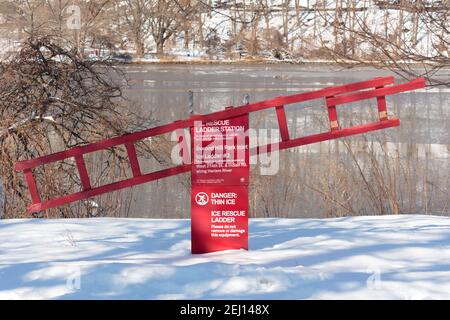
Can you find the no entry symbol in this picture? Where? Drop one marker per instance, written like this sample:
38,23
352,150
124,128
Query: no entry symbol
201,198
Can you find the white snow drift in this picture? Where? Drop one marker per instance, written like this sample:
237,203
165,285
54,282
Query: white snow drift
384,257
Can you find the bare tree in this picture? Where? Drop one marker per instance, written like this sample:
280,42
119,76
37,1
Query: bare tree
160,19
168,17
414,40
86,24
51,100
136,15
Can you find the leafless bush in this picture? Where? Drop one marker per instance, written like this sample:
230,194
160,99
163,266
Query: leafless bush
394,44
51,100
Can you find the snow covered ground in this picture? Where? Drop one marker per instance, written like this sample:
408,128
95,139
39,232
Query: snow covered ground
384,257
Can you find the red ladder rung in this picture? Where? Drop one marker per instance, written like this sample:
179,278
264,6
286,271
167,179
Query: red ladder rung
29,177
132,156
382,108
282,123
84,176
332,114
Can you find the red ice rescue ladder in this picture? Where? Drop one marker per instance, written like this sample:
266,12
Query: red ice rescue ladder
377,88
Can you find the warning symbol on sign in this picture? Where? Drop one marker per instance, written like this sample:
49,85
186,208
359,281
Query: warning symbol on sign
201,198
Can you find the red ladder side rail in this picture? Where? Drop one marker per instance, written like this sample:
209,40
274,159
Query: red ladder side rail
332,96
381,92
40,206
319,137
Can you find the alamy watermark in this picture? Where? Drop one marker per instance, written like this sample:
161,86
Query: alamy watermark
226,148
73,22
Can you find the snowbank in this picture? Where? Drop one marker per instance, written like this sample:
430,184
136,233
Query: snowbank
385,257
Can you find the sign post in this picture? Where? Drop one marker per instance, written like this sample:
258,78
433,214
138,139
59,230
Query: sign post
219,194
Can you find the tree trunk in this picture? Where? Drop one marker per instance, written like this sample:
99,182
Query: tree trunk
400,24
160,48
285,21
140,47
186,39
415,21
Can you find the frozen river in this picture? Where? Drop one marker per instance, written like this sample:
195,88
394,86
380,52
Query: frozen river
425,114
422,141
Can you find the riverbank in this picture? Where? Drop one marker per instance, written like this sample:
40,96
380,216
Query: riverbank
261,61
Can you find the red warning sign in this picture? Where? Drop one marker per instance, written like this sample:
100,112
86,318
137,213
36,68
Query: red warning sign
219,194
220,152
219,218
